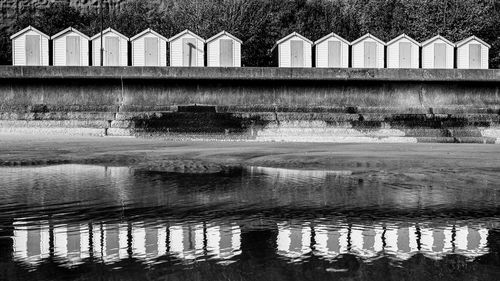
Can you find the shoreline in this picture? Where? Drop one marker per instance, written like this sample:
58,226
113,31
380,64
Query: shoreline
219,156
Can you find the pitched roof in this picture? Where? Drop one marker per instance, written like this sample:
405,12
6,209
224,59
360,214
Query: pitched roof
29,28
290,36
437,37
183,33
221,34
468,39
67,30
401,37
329,36
149,30
108,30
367,35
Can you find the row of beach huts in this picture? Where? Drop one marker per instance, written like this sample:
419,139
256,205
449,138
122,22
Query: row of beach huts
148,48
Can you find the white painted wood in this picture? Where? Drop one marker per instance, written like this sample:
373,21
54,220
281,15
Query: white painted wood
59,49
138,48
176,49
428,53
358,49
213,51
393,53
463,55
96,48
284,52
19,47
322,52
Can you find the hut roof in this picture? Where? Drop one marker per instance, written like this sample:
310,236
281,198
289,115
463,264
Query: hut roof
437,37
67,30
29,28
468,39
401,37
329,36
221,34
175,37
290,36
109,30
367,35
149,30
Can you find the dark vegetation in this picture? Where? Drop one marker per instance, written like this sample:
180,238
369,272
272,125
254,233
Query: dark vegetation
259,23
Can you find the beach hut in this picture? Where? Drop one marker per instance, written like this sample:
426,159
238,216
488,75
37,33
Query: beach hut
293,50
332,51
30,47
149,49
368,52
224,50
472,53
438,52
70,48
403,52
115,47
187,49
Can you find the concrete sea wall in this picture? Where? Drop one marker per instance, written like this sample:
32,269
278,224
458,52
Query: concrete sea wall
263,104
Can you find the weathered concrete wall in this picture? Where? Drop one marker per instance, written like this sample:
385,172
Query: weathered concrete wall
255,103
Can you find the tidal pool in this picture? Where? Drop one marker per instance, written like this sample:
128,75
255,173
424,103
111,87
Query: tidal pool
82,222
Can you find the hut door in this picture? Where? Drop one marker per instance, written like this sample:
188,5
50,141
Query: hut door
297,52
72,50
439,55
226,52
370,54
112,51
32,50
474,56
189,52
151,52
404,55
334,54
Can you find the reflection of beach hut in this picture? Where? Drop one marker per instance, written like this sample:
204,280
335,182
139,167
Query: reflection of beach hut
293,50
30,47
224,50
187,49
472,53
332,51
71,48
115,47
437,52
403,52
149,49
368,52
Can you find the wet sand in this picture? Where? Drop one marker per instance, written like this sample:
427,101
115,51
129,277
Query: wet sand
158,154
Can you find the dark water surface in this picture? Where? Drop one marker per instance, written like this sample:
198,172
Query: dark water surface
77,222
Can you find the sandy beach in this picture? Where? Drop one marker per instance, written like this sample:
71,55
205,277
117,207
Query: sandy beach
158,154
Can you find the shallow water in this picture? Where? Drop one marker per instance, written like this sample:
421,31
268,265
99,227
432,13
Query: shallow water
109,223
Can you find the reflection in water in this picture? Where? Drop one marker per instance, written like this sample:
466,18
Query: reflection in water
111,241
72,216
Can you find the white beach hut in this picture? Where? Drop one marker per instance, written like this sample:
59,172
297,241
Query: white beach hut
438,52
115,47
368,52
293,50
187,49
224,50
30,47
472,53
332,51
403,52
149,49
70,48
